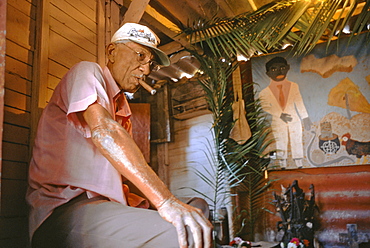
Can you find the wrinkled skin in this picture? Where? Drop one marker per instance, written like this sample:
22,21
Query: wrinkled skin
181,215
113,141
124,67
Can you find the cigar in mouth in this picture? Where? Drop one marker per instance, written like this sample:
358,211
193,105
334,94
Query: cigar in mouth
147,87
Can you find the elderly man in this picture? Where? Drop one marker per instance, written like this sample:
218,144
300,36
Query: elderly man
84,148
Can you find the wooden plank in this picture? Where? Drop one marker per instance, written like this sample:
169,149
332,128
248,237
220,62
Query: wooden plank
171,47
19,241
18,52
74,13
141,127
24,7
84,8
91,5
23,24
71,23
17,117
187,153
180,38
39,78
16,83
14,170
52,81
40,63
65,52
17,100
18,72
72,36
225,7
18,68
3,13
57,70
100,32
114,21
14,230
13,200
181,10
15,152
49,93
135,11
16,134
169,29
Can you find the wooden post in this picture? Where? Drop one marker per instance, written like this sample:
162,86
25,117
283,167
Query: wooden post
100,32
40,68
3,4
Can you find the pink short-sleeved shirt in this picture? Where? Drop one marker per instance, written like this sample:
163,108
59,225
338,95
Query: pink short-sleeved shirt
65,162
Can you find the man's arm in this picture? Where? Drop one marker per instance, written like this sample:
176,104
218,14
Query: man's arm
119,148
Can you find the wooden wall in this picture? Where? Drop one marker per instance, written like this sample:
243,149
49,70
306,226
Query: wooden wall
188,150
68,35
20,47
44,39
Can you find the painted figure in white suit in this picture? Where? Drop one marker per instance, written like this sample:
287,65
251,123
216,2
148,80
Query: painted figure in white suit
283,101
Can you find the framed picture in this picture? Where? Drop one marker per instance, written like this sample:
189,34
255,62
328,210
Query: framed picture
317,104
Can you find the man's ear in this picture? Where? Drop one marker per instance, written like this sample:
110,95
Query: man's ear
288,67
111,52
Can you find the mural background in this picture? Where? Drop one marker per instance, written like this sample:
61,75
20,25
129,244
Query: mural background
334,83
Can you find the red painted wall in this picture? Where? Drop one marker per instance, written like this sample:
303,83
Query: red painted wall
342,195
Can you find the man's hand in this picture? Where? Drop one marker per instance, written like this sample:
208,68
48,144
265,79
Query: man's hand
120,149
286,117
182,215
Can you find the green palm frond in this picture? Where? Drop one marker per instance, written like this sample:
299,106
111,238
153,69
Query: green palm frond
232,165
301,23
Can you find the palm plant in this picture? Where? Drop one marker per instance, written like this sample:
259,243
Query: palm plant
233,166
300,23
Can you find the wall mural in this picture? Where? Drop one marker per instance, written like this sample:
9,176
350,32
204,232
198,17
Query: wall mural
317,104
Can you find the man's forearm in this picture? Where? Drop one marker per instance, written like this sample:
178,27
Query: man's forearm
123,153
114,142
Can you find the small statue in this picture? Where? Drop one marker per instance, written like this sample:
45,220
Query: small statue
297,215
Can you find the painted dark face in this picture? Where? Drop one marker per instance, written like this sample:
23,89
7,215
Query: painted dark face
278,71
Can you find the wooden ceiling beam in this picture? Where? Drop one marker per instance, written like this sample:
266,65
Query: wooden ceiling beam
340,13
253,5
135,11
164,25
183,12
176,36
225,7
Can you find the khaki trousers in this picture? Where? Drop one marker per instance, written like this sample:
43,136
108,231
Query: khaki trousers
100,223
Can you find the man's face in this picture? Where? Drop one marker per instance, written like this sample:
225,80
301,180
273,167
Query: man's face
124,65
278,71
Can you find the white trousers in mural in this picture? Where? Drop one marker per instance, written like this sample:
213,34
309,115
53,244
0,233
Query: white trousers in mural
283,132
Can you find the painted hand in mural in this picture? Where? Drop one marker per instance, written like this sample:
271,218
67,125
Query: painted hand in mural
286,117
182,215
